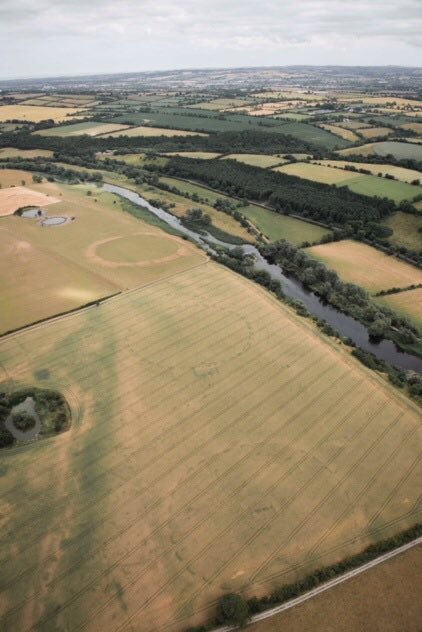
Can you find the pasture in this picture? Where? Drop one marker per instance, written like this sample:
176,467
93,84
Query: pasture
218,444
383,148
256,160
407,303
90,128
276,226
196,120
359,183
35,114
365,266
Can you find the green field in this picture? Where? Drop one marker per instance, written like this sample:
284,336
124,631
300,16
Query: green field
397,149
359,183
276,226
212,121
218,444
406,229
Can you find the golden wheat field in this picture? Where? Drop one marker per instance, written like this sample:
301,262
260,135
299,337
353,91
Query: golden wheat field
218,443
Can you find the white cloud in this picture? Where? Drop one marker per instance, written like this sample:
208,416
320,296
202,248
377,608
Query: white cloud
198,28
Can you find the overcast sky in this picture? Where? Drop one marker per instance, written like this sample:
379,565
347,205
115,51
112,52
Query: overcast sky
54,37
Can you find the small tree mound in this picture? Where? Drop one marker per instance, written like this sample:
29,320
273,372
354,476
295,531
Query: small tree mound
21,409
233,610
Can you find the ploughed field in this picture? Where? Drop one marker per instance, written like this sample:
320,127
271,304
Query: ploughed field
218,443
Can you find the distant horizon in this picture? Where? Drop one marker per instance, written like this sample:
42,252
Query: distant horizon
51,38
198,68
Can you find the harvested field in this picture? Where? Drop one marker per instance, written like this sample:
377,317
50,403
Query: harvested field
77,129
256,160
15,198
361,264
12,152
383,599
399,173
341,131
414,127
375,132
407,303
317,173
154,131
203,155
276,226
218,444
77,263
35,114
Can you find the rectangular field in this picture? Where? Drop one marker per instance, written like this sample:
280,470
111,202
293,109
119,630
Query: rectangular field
77,129
35,114
256,160
361,264
408,303
345,133
399,173
218,444
143,130
12,152
359,183
375,132
276,226
383,148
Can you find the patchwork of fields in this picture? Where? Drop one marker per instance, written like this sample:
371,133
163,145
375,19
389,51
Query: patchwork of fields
218,443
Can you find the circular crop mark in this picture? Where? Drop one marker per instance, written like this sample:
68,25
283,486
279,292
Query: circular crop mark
28,414
138,250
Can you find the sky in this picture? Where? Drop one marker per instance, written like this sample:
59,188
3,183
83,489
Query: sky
63,37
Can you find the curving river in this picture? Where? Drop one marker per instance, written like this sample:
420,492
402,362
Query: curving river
346,325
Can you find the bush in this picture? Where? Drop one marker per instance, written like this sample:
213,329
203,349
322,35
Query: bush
233,610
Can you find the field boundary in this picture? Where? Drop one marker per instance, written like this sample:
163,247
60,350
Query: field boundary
327,585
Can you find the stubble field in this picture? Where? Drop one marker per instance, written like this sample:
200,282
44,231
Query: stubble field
361,264
218,444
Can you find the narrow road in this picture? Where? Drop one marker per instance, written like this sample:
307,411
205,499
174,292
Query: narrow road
327,585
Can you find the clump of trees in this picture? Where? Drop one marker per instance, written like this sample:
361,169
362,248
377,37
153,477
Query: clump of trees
50,406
